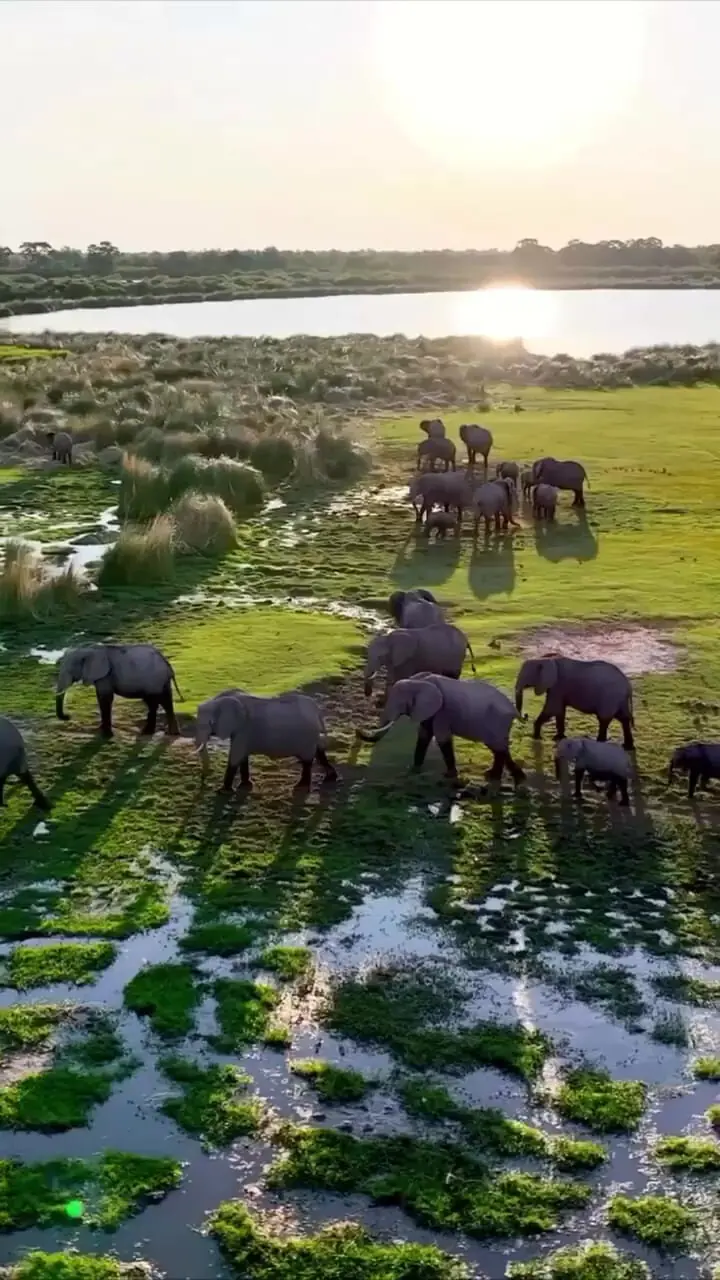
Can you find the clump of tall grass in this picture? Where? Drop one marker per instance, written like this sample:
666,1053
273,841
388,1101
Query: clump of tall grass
29,588
204,525
141,557
274,456
239,485
144,491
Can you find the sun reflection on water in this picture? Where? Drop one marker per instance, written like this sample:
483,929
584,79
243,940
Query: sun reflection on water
507,311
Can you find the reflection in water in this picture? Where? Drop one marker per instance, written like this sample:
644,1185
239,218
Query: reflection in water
511,311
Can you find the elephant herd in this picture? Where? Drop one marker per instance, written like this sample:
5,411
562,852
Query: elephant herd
434,492
423,658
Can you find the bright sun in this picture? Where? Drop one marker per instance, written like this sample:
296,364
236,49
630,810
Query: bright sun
508,83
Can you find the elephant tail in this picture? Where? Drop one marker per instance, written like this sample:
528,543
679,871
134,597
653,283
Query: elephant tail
472,658
173,677
631,709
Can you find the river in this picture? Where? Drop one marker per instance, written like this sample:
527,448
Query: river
580,322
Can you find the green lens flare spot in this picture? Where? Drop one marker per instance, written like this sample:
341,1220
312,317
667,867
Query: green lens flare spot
74,1208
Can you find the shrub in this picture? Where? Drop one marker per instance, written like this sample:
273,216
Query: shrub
238,484
143,490
29,587
203,524
274,456
140,557
337,456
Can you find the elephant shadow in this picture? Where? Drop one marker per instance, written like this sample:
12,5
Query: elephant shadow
574,541
492,566
424,562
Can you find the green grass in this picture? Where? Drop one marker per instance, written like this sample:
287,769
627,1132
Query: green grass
141,557
66,1266
713,1115
243,1010
696,991
707,1069
54,1100
71,963
511,1048
439,1185
289,963
29,1026
341,1252
220,939
656,1220
694,1155
166,993
277,1038
589,1261
333,1085
211,1105
590,1097
109,1189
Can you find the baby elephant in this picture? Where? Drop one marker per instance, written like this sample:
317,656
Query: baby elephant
544,500
436,450
526,481
602,761
290,724
699,760
433,427
439,522
13,763
62,446
508,471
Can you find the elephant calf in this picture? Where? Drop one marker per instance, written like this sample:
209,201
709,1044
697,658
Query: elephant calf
439,522
433,427
526,481
415,608
443,708
13,763
290,724
508,471
128,670
493,502
62,446
436,450
545,498
404,652
699,760
602,761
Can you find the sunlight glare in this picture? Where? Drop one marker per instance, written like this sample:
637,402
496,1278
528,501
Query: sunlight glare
506,311
508,83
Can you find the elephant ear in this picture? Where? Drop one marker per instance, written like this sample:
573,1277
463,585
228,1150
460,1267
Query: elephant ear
396,603
96,666
402,646
427,701
228,717
547,675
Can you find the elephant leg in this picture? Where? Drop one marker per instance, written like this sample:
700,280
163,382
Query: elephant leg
330,770
611,789
579,499
624,797
495,772
516,773
245,779
579,775
560,725
704,781
424,738
152,703
542,719
693,777
628,740
447,750
305,780
602,729
166,702
41,800
105,703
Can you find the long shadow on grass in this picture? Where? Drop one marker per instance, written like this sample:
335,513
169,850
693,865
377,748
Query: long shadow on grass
564,540
492,566
421,563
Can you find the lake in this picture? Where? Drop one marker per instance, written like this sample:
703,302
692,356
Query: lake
580,322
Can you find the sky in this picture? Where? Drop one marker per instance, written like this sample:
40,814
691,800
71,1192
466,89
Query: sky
388,124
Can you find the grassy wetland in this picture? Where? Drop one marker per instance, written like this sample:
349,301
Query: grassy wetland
392,1029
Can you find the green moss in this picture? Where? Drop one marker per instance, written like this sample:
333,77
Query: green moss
678,986
333,1085
65,1266
27,1026
52,1101
99,1046
696,1155
110,1189
589,1261
439,1185
288,963
279,1038
211,1107
611,987
389,1002
74,963
341,1252
166,993
592,1098
707,1069
242,1010
574,1154
509,1047
220,939
713,1115
656,1220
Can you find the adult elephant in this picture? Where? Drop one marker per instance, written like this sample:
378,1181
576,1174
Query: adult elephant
14,763
493,503
443,489
433,427
477,440
415,608
444,708
562,475
596,688
62,446
403,653
288,725
127,670
436,450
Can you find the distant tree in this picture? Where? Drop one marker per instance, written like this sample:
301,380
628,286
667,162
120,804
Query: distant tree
101,258
35,252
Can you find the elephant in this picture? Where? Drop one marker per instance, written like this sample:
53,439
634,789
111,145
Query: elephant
416,608
545,498
128,670
433,427
289,724
13,763
526,481
440,647
477,440
493,501
442,489
444,707
563,475
62,446
508,471
436,450
699,760
597,688
602,761
439,522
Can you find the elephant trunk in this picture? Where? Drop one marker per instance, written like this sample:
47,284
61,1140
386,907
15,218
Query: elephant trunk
60,711
519,701
373,735
557,768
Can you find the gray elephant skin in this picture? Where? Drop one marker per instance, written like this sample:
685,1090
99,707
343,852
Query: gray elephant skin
602,761
596,688
433,427
444,489
62,446
508,471
444,708
477,440
404,652
416,608
13,763
127,670
441,523
436,450
493,503
544,499
287,725
563,475
526,481
699,760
